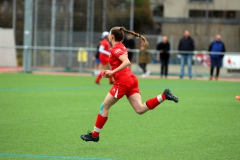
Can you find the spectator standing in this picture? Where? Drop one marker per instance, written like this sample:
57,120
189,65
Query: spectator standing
216,59
129,43
96,59
144,59
164,48
186,44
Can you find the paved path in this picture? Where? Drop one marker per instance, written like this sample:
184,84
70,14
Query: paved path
155,69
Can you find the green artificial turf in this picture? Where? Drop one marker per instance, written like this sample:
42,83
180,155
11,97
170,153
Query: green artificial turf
42,117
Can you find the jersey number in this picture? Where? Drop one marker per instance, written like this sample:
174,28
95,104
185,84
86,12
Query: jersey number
118,50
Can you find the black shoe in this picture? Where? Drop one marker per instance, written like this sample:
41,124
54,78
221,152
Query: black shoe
89,137
170,96
98,83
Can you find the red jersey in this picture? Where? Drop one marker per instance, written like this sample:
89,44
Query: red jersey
114,61
104,57
106,45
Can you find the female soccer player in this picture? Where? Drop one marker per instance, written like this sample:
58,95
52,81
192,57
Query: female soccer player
125,83
104,57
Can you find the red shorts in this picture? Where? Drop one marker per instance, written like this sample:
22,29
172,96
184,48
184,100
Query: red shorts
126,87
104,59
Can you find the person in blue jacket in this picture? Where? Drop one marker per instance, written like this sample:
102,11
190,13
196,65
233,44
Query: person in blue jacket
216,58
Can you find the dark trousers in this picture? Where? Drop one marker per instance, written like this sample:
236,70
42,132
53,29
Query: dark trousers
217,73
164,67
143,66
216,62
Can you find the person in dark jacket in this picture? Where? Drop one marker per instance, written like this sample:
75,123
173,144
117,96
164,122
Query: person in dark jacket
96,59
186,44
216,59
129,43
164,48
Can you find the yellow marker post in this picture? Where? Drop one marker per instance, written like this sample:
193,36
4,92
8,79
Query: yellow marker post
82,57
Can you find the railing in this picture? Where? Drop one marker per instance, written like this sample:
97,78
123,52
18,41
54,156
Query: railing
91,52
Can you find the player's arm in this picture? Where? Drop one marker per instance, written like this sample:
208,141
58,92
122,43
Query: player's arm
103,51
125,63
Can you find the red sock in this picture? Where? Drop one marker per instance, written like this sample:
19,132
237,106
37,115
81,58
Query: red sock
163,97
98,77
154,102
99,125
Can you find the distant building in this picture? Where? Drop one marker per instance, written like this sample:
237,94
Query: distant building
203,18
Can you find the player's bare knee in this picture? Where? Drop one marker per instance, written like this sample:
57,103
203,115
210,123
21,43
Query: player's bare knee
139,111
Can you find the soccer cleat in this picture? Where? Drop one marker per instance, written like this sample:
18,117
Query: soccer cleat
170,96
98,83
89,137
143,75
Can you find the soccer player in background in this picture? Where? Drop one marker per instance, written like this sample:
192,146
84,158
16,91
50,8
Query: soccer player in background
104,50
125,83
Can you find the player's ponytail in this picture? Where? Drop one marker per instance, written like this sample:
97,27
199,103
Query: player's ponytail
134,34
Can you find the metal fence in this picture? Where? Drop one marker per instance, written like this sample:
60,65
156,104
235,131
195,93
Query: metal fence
82,61
55,30
76,23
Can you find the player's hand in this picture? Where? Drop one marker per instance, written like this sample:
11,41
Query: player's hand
107,73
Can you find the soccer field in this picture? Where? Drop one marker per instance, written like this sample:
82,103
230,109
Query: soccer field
42,117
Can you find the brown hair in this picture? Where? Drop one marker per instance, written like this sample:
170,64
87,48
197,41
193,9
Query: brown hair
118,33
